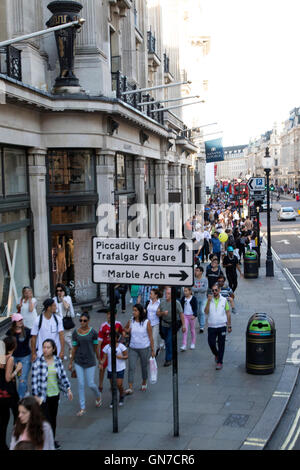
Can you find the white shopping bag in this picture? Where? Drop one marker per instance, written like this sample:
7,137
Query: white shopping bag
153,370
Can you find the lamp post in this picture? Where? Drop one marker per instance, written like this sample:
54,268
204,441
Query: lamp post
269,260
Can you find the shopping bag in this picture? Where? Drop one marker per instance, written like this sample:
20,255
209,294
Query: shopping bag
153,370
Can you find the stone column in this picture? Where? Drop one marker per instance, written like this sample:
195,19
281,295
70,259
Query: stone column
184,192
139,183
37,183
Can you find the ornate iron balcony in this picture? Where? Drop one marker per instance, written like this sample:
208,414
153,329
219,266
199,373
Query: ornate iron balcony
121,84
10,62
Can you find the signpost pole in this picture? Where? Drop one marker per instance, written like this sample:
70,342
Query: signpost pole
113,356
258,234
175,363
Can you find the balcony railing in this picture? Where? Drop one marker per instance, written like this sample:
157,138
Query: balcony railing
10,62
121,84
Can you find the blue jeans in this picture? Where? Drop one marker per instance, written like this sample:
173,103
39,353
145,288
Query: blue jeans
167,332
23,379
88,374
201,302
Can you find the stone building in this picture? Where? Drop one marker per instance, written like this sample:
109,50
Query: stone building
73,138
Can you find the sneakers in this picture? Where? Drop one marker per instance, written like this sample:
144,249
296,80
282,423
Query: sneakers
111,405
219,366
167,363
201,330
183,348
192,346
121,401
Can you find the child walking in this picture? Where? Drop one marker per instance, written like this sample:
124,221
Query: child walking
121,356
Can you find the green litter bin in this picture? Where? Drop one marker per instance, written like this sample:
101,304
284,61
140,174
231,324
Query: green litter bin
260,344
250,264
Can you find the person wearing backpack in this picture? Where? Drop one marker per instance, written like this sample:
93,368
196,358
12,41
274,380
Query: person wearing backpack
47,326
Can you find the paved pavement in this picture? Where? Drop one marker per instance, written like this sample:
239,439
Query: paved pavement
227,409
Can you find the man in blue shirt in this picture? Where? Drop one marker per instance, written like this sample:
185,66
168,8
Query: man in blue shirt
216,245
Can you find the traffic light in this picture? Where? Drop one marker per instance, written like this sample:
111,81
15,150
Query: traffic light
272,187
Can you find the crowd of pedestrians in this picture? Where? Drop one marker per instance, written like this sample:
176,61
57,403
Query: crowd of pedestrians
36,347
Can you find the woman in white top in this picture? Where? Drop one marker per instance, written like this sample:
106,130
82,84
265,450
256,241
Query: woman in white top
141,339
151,309
64,308
27,307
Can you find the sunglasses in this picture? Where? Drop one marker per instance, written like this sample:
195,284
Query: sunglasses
59,290
83,321
215,290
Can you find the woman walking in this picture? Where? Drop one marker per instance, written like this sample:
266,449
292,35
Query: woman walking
189,305
84,353
141,340
31,426
64,308
22,352
151,308
8,391
27,307
200,292
48,379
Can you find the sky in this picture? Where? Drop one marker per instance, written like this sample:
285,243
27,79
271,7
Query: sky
254,65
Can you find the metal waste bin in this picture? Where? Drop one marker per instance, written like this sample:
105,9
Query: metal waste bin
260,345
250,264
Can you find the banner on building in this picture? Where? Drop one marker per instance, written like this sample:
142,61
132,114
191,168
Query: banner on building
214,151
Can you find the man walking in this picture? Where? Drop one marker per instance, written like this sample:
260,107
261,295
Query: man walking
165,312
47,326
219,319
231,264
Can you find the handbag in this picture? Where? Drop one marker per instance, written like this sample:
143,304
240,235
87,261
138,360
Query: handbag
68,322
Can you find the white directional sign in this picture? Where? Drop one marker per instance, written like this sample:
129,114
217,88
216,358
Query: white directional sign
143,251
151,275
152,261
256,183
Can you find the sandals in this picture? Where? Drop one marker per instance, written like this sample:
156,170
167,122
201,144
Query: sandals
81,413
98,402
144,388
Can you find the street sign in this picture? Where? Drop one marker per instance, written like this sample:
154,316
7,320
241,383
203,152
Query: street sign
143,275
143,251
152,261
256,183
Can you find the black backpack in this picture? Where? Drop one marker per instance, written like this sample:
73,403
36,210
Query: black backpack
41,319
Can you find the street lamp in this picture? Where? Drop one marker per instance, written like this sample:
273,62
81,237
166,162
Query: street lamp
267,170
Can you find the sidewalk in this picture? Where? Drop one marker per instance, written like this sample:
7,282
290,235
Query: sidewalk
227,409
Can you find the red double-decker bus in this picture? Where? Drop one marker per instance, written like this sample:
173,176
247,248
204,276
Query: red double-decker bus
241,192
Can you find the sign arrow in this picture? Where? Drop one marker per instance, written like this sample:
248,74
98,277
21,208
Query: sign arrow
183,275
182,248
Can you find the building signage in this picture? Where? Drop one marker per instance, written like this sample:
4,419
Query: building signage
143,261
256,184
214,151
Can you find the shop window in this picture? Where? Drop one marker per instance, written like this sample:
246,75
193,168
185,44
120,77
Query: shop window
71,265
124,173
72,214
14,172
14,263
71,171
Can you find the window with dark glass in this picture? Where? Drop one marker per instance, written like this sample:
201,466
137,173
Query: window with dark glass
72,214
124,173
71,171
13,172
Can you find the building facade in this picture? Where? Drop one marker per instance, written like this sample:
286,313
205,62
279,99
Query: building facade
73,137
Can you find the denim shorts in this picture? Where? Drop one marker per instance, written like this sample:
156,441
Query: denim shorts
120,375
